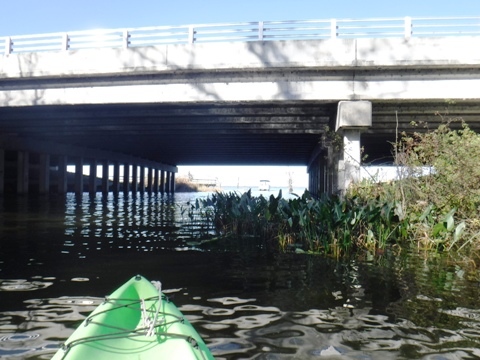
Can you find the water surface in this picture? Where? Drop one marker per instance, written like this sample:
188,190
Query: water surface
59,256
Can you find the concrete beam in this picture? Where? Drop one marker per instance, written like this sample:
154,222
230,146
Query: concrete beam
280,89
248,56
345,69
354,115
239,55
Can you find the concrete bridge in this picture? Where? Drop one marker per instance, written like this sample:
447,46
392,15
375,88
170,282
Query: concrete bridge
268,93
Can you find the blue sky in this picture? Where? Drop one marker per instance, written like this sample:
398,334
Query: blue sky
20,17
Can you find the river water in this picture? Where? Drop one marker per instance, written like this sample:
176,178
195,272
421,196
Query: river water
60,255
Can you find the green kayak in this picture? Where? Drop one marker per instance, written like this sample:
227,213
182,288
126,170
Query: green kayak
136,322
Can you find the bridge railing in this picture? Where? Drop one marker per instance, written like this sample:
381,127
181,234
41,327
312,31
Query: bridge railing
244,31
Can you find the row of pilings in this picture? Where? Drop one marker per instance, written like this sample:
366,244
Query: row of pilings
23,172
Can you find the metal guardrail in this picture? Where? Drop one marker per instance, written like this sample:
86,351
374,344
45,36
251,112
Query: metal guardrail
406,27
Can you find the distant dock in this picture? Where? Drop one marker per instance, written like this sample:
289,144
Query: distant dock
206,182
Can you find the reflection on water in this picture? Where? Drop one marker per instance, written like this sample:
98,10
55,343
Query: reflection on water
141,223
60,256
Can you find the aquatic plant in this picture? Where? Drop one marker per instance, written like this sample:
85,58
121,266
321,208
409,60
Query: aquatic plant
329,224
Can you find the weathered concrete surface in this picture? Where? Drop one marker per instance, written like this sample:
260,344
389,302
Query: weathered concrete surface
354,114
322,53
333,69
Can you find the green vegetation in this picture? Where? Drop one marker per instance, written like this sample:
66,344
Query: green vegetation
329,225
435,209
440,209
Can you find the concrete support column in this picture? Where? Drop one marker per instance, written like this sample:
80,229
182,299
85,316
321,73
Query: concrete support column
162,181
318,174
79,176
2,171
327,171
167,182
126,178
313,175
149,179
105,173
142,179
22,172
172,183
349,165
92,185
155,181
116,177
62,175
134,179
44,174
352,118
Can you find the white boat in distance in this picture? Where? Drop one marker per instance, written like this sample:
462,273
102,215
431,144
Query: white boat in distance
264,185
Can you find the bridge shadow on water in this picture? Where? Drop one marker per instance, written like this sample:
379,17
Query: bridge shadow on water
60,255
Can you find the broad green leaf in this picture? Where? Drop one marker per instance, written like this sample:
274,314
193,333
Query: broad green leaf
459,231
438,228
426,212
450,220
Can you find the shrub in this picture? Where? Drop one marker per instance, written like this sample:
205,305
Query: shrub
438,189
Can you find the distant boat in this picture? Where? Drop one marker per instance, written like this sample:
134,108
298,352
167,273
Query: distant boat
264,185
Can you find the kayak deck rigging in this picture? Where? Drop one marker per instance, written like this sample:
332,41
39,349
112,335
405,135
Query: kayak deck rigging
140,325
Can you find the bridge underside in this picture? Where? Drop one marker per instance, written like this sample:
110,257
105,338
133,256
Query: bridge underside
275,133
161,136
235,133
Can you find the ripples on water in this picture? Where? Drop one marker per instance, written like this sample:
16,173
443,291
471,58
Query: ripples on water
58,258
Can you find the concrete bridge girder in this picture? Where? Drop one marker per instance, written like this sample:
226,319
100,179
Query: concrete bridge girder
315,70
289,54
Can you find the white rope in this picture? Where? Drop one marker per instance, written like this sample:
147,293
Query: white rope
148,322
145,317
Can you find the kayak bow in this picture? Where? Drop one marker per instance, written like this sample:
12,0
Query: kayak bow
136,322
